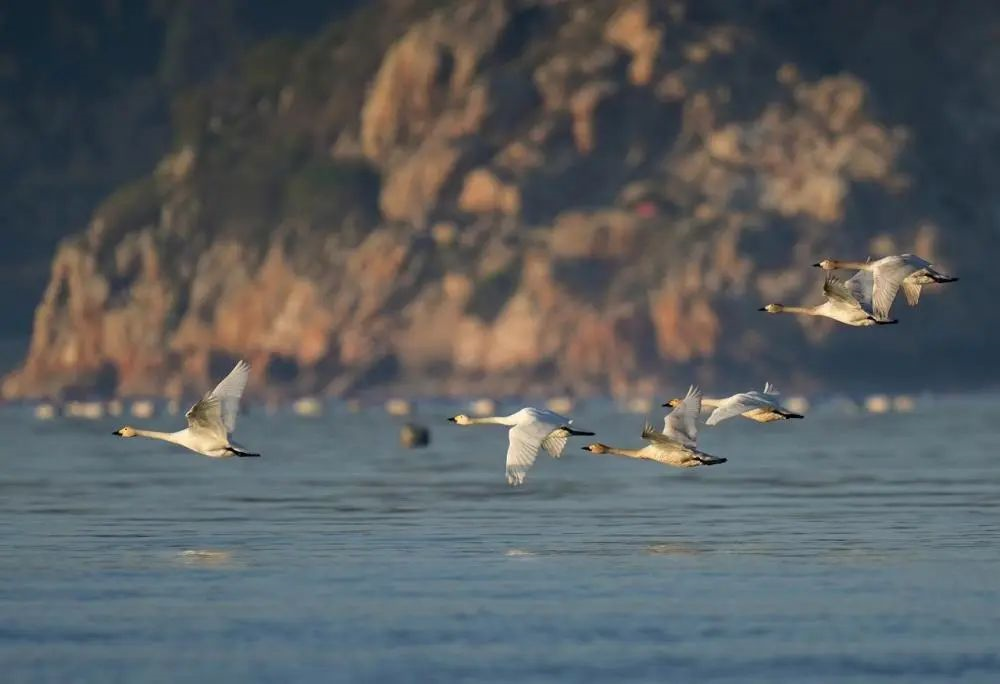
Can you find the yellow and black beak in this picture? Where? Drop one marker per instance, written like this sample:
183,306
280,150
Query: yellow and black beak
117,432
452,419
818,264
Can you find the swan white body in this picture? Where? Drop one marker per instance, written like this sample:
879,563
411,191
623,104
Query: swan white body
211,421
677,445
531,429
762,407
849,303
890,273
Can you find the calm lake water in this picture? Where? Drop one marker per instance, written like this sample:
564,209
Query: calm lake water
838,548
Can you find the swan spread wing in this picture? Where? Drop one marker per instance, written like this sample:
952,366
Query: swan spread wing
555,443
217,410
681,424
738,404
860,286
837,292
534,429
912,292
525,441
650,434
889,275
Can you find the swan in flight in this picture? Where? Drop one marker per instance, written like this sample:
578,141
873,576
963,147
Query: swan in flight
676,445
848,303
762,407
210,422
531,429
892,272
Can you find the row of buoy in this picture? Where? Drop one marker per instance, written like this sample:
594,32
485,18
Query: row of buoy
314,407
95,410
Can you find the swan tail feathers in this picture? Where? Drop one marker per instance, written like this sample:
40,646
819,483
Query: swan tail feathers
242,454
711,460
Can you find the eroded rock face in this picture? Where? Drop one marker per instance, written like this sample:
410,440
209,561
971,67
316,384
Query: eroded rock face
586,196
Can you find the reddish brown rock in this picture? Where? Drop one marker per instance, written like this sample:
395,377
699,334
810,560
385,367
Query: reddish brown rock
507,198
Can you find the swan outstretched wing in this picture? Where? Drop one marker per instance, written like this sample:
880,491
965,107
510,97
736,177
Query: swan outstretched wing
912,292
771,390
889,276
860,287
836,291
218,409
681,424
737,405
525,441
555,443
650,434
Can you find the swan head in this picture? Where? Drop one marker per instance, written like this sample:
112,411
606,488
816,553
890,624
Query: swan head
826,264
596,448
673,403
461,419
772,308
125,432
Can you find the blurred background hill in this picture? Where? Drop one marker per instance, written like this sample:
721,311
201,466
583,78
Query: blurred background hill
489,196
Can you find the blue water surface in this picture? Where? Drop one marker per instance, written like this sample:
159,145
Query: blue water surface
843,547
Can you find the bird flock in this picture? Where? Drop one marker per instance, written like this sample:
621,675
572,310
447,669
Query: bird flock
863,300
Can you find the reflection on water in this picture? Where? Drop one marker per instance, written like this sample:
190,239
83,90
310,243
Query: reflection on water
835,548
206,558
671,549
519,553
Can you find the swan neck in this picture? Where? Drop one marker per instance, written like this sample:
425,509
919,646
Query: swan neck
491,420
629,453
711,403
153,434
858,265
807,310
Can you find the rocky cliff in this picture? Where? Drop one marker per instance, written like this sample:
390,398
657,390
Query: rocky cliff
513,196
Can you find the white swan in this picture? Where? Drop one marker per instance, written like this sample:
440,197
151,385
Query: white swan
762,407
677,445
531,429
848,303
890,273
210,422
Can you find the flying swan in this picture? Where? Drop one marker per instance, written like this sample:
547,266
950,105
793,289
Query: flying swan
531,429
677,445
892,272
210,422
762,407
848,303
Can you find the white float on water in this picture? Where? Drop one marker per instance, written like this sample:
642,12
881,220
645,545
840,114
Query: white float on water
398,407
878,403
143,408
483,407
638,405
560,404
797,404
90,410
45,411
307,406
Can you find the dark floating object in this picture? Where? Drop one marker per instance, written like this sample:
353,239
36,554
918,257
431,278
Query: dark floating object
413,436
